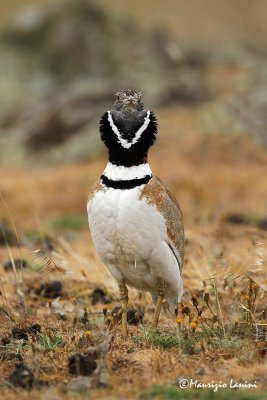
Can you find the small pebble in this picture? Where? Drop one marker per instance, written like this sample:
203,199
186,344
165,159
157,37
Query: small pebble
236,219
17,262
99,296
20,333
201,371
134,316
262,224
80,364
34,328
51,289
22,376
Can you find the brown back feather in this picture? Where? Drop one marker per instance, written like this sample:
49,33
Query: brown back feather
157,194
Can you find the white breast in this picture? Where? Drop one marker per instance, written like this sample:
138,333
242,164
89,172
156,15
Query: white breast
131,238
123,226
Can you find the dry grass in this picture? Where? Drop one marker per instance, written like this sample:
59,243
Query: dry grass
217,334
220,331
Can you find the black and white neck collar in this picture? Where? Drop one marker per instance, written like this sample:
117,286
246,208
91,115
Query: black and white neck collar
120,177
127,144
128,139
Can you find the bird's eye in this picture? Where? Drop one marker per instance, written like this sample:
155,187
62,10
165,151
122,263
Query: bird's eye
117,96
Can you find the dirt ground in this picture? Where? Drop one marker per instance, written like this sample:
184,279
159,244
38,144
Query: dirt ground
220,182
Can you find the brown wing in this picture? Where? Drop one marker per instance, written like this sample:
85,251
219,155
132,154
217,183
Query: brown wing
157,194
95,188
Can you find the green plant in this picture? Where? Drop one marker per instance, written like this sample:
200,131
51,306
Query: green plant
169,392
69,221
50,342
16,347
157,339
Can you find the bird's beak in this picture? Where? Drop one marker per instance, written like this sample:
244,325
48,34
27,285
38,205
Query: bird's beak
130,102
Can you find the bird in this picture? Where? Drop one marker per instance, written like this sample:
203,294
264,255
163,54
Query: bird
135,221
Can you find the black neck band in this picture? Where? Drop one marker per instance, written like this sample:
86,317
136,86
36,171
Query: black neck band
125,184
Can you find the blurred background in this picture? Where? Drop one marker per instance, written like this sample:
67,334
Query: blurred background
61,64
202,68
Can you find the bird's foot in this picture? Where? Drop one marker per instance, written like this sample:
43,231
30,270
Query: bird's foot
124,301
160,299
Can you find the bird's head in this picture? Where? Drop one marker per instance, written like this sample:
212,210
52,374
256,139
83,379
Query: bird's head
128,130
128,100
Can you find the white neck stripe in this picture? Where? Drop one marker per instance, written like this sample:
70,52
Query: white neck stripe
119,172
137,135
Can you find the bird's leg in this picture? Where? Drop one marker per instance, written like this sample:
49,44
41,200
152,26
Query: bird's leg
161,295
124,301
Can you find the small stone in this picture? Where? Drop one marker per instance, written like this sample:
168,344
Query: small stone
201,371
20,333
80,364
235,219
18,264
99,296
134,316
262,224
51,289
34,328
22,376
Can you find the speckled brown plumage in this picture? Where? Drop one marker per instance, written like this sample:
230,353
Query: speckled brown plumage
158,195
95,188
